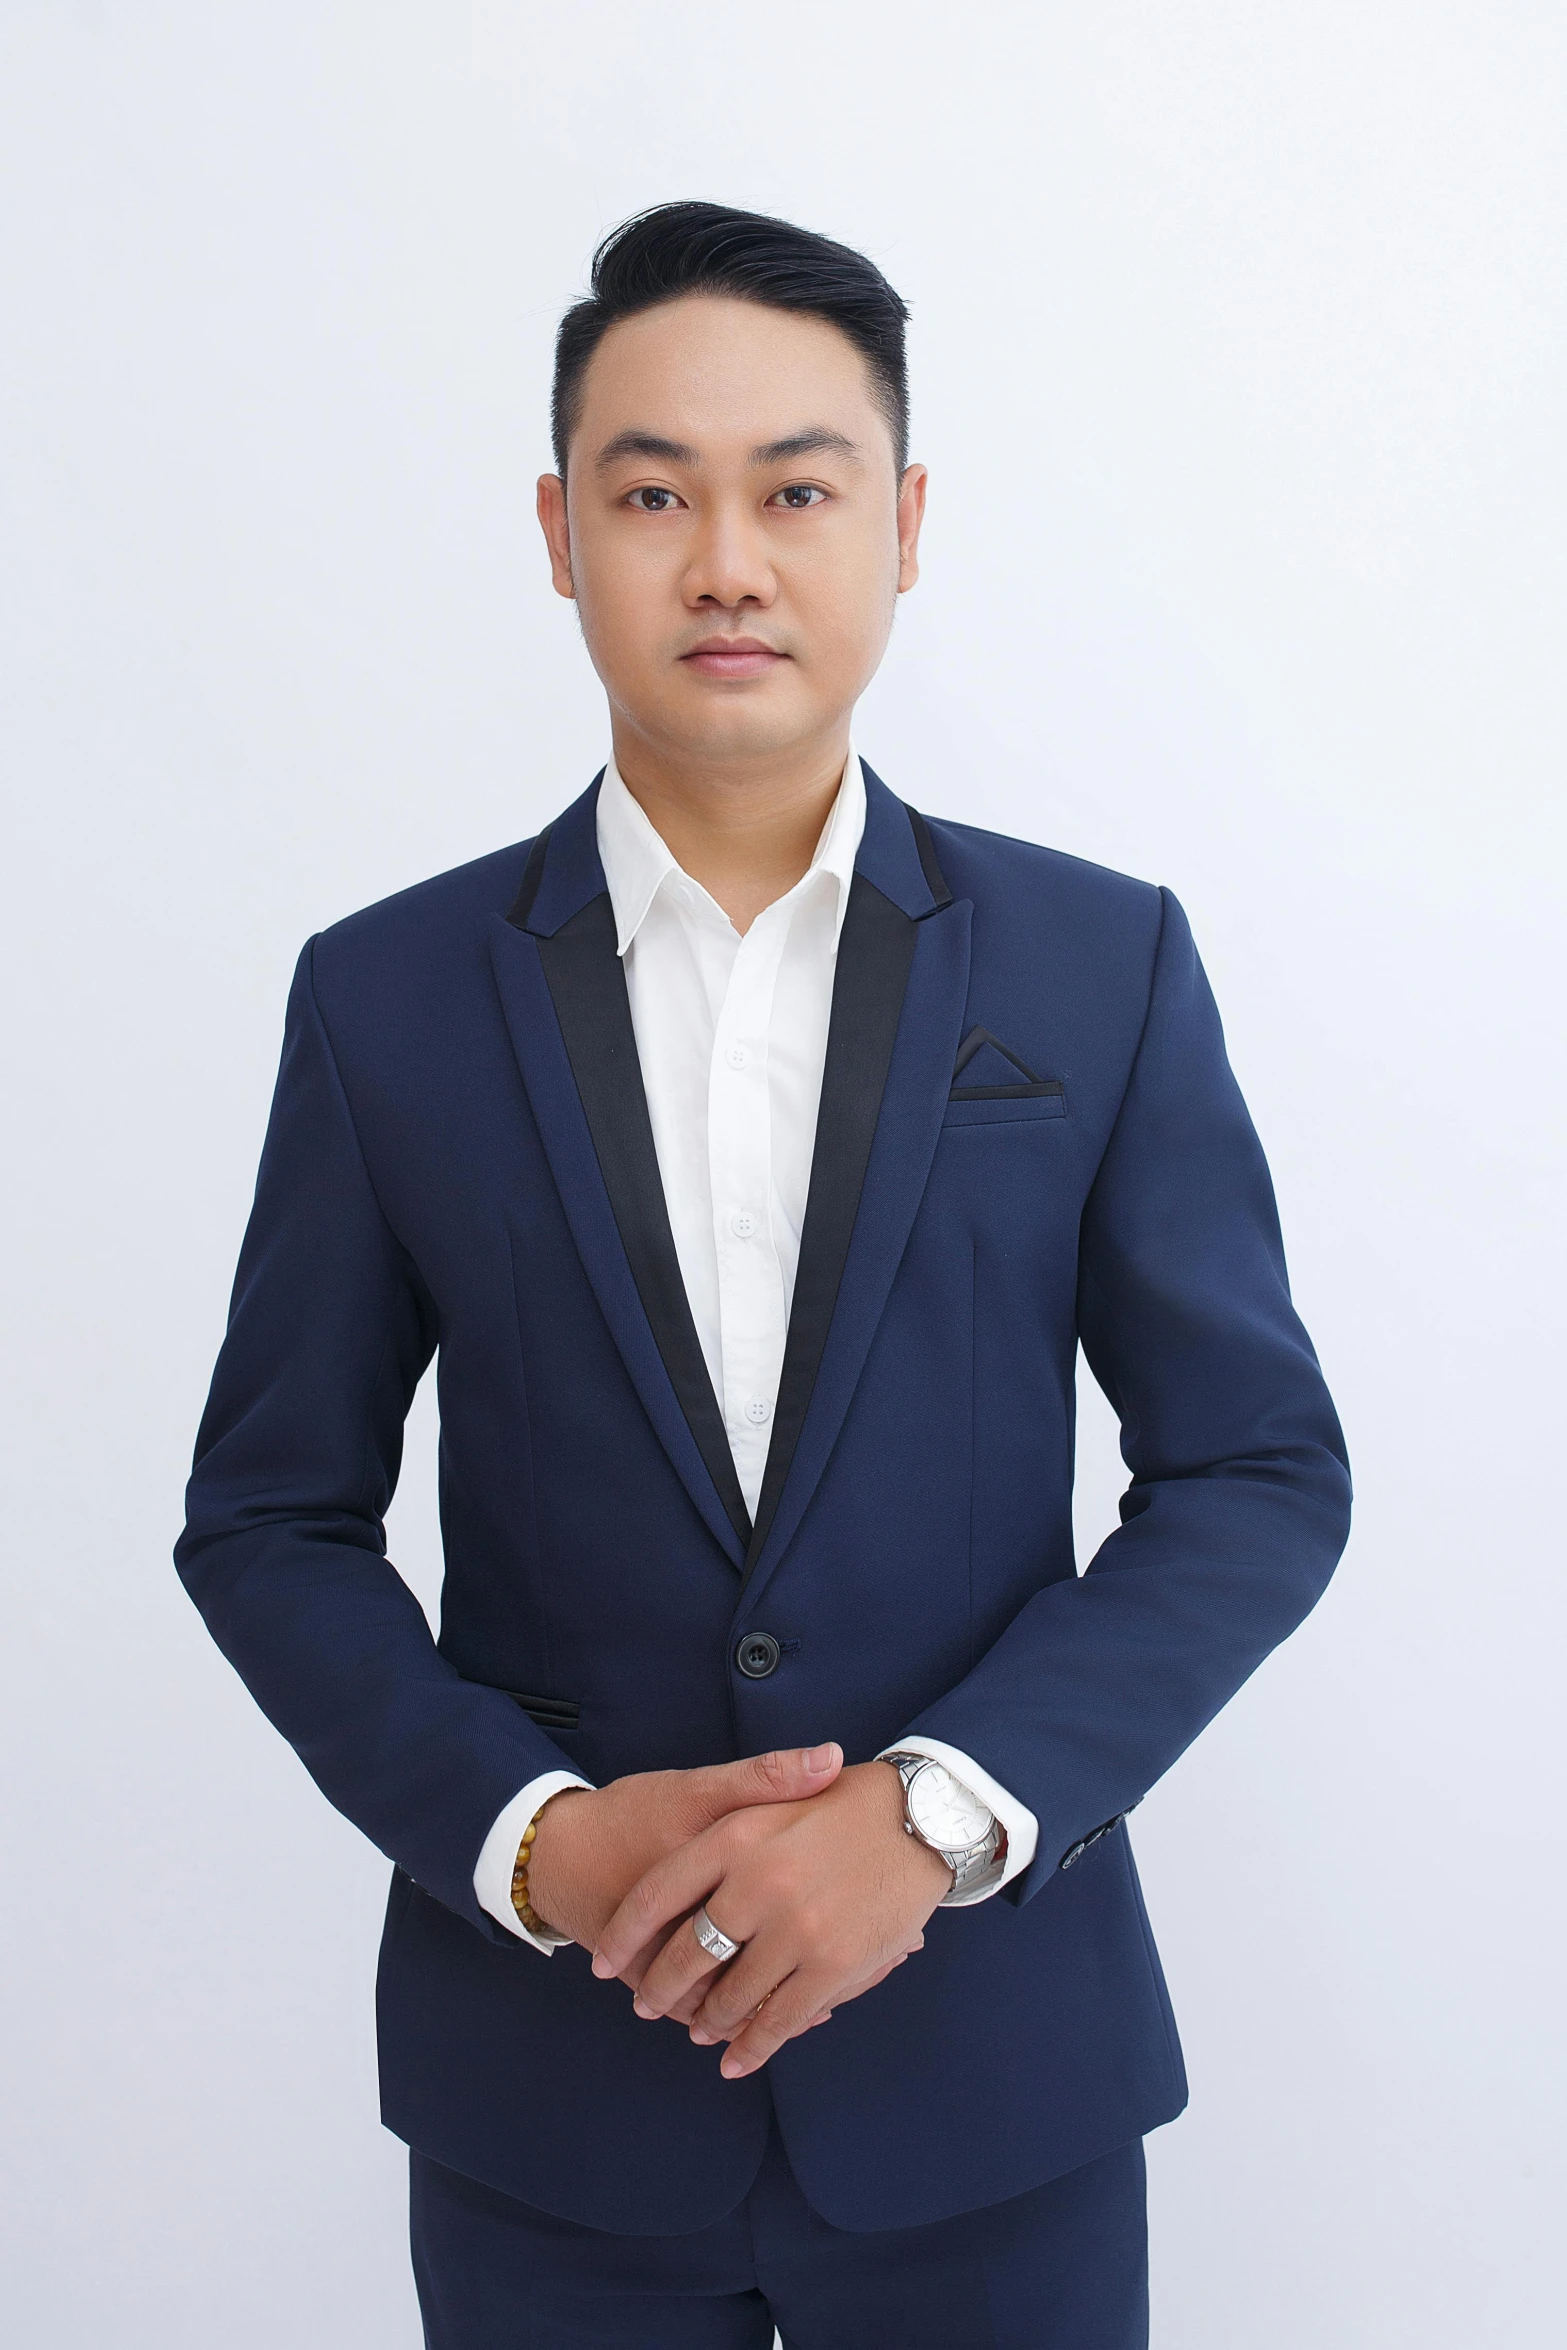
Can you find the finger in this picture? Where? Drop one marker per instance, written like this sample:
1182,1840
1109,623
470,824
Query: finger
632,1974
790,1774
734,1996
682,1966
684,2010
880,1976
704,2028
671,1889
789,2012
869,1982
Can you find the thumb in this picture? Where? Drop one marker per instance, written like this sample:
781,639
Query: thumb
787,1775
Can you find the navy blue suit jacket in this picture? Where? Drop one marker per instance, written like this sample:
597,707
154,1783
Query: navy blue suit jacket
460,1160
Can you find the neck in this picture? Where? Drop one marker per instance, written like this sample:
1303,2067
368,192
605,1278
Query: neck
745,829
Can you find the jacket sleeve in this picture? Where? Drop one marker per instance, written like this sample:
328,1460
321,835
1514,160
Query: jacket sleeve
284,1548
1238,1505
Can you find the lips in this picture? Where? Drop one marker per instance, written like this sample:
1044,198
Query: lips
732,656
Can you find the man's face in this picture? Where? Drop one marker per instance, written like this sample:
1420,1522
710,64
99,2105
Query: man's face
732,527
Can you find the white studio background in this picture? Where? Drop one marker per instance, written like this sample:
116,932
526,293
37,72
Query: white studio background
1239,363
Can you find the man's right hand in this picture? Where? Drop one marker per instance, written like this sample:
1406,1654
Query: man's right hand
593,1845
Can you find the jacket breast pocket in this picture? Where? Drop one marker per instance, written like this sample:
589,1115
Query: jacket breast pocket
1005,1105
550,1713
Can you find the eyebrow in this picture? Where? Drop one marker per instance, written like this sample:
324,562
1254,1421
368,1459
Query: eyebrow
646,444
815,440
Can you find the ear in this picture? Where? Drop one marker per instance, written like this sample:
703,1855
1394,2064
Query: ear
911,513
557,531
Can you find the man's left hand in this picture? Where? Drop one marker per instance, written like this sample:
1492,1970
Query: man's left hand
828,1896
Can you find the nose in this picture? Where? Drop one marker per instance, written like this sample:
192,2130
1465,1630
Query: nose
731,563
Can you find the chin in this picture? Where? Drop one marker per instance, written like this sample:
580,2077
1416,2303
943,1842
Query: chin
733,727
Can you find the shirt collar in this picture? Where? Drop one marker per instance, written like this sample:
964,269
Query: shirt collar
637,862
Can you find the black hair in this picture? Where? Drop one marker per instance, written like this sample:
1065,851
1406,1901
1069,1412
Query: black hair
693,248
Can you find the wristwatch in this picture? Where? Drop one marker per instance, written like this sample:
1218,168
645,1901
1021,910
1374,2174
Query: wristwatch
941,1812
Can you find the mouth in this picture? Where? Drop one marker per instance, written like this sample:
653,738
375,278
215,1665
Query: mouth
732,656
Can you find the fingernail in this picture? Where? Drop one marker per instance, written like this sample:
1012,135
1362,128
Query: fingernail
821,1759
648,2014
702,2039
734,2068
602,1967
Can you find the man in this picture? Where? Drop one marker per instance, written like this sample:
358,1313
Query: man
757,1154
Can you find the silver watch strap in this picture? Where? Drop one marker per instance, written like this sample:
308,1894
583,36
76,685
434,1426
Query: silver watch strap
973,1869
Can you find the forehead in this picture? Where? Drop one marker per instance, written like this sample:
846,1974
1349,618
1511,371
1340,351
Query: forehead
720,373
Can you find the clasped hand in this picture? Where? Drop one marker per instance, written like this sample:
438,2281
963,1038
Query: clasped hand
802,1861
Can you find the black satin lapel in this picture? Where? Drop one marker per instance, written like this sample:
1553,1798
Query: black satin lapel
588,986
875,950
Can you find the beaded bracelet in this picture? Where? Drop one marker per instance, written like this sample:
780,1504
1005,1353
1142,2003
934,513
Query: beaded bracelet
519,1881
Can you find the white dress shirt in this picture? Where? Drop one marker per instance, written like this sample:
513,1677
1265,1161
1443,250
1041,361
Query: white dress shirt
732,1037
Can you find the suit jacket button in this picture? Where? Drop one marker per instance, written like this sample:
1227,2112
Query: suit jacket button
757,1654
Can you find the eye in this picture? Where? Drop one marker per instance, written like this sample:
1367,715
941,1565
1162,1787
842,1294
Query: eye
797,496
651,499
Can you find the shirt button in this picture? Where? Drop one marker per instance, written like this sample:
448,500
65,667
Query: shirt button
737,1056
758,1411
744,1225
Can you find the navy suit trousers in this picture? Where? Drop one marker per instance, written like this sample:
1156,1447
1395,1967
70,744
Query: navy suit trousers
1064,2267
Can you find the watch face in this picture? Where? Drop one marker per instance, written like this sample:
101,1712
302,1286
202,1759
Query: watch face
944,1811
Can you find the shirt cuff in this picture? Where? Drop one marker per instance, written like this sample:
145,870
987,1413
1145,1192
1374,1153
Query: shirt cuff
492,1877
1022,1829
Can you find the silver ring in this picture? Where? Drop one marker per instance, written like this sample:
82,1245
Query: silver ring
713,1938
